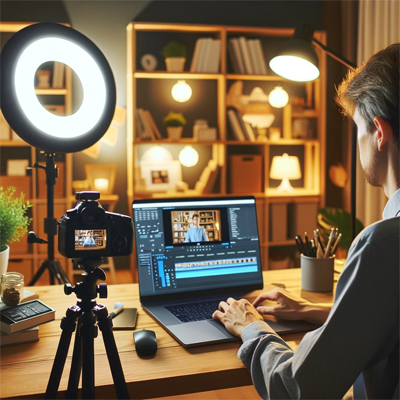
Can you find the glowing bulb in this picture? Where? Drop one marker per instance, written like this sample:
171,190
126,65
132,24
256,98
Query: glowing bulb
294,68
188,156
278,97
181,92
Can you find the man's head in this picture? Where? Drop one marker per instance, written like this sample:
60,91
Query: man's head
370,95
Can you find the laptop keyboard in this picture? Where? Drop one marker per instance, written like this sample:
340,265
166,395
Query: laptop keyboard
199,311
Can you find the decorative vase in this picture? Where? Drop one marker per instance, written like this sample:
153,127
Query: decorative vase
4,255
174,132
175,64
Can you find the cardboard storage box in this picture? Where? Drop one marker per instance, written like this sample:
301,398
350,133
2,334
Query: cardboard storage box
245,174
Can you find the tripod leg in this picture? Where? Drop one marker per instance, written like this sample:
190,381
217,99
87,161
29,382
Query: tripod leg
76,366
39,273
89,332
105,325
68,324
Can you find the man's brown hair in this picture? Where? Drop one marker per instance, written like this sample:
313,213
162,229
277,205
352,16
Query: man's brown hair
373,89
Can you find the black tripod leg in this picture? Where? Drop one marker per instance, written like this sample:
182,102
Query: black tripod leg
38,274
89,332
68,324
76,366
105,325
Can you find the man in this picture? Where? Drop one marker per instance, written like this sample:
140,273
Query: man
360,332
196,233
89,241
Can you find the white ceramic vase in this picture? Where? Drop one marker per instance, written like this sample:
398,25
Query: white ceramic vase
175,64
4,256
174,132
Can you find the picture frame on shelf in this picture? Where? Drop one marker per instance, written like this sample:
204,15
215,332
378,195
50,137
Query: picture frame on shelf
162,176
101,177
17,167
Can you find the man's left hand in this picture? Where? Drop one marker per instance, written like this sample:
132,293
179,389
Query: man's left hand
236,315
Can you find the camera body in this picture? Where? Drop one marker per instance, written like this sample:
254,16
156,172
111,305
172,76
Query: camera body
88,231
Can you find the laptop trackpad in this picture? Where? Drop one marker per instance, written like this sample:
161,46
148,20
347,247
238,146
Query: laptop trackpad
199,332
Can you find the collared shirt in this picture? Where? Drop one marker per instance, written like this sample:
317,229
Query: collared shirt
196,235
360,335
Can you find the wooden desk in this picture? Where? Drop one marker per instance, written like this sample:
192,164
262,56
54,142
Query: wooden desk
25,368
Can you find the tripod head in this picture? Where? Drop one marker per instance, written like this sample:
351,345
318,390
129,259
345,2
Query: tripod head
87,290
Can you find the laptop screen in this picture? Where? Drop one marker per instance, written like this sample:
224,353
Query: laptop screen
196,245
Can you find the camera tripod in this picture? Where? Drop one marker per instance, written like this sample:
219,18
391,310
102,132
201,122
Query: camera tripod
86,315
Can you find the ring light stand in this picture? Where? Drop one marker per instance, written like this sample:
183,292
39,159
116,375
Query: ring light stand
21,56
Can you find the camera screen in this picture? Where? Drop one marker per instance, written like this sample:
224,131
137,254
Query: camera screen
90,239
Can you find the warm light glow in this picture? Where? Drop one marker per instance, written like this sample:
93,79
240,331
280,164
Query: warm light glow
294,68
90,75
101,185
278,97
285,167
181,92
157,154
188,156
260,121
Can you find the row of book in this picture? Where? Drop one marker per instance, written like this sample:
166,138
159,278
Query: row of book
206,56
58,75
23,330
241,130
146,127
246,56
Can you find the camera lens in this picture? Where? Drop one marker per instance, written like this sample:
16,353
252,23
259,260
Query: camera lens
119,243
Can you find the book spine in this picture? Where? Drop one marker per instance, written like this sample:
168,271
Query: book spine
238,55
195,56
260,53
206,55
236,128
254,58
246,55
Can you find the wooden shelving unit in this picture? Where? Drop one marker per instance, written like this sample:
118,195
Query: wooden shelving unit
143,38
27,258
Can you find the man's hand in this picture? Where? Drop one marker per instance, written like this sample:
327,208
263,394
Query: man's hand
236,315
291,307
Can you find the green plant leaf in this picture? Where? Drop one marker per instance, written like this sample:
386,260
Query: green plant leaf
331,217
174,49
174,119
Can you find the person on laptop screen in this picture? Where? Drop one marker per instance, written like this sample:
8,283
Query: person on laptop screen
89,241
196,233
358,341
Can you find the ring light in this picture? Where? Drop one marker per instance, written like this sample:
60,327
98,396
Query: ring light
20,59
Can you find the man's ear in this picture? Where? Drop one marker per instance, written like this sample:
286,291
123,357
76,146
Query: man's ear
384,132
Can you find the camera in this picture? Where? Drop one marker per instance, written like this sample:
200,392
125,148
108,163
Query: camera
88,231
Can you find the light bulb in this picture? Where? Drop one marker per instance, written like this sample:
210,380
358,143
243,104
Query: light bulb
294,68
278,97
181,92
188,156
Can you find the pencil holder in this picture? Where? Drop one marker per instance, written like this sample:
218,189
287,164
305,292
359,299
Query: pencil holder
317,273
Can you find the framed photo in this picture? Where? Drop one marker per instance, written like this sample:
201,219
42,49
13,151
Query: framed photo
101,177
161,177
17,167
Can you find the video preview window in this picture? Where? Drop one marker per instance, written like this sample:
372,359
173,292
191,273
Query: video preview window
90,239
196,226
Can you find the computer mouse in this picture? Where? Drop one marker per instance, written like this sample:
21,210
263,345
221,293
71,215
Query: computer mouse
145,342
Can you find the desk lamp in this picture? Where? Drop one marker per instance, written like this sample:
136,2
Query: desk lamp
285,167
298,61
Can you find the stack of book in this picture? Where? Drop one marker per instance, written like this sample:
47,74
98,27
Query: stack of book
206,56
246,56
146,127
15,330
241,130
58,75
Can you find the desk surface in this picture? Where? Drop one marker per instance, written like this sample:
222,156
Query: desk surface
25,368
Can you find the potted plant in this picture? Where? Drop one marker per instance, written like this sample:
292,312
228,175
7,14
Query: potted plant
13,222
175,56
174,123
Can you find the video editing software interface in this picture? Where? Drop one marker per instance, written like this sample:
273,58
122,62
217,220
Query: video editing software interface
196,245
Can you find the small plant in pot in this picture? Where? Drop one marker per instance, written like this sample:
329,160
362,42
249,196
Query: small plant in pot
13,222
174,123
175,56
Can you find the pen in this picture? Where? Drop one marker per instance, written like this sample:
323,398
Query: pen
118,308
334,248
332,237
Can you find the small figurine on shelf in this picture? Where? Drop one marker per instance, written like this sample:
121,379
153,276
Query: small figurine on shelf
175,56
174,123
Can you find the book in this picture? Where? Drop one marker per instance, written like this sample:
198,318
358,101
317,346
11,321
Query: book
26,315
26,336
250,132
235,125
256,64
196,54
58,75
238,55
260,56
28,296
214,56
206,54
244,49
232,57
146,124
152,124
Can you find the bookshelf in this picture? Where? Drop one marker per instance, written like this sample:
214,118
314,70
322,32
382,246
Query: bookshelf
27,258
301,124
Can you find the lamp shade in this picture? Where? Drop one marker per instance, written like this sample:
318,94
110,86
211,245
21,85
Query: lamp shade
181,92
297,60
285,167
22,55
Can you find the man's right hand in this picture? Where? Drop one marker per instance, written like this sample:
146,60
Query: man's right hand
291,307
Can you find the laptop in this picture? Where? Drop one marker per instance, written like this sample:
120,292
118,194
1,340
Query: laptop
192,254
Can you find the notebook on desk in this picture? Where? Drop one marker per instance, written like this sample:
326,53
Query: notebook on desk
181,282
